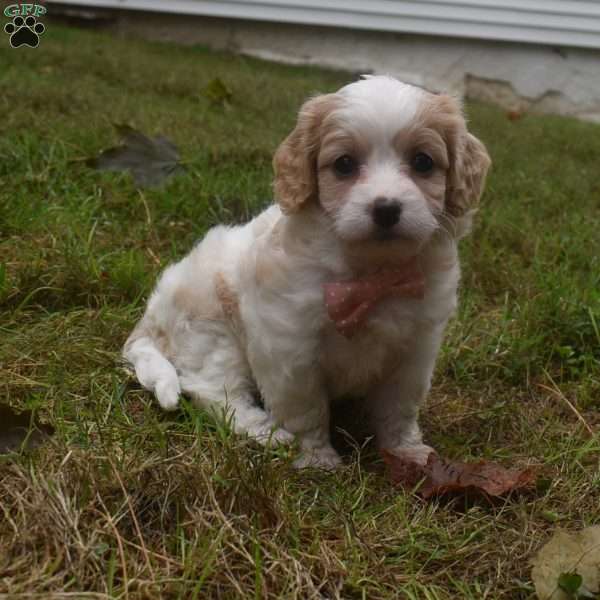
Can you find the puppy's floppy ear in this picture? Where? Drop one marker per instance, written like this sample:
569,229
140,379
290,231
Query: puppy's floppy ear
466,178
295,161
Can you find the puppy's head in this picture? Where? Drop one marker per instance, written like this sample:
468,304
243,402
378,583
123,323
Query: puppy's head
387,162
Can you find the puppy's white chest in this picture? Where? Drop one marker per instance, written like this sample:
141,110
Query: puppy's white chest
353,366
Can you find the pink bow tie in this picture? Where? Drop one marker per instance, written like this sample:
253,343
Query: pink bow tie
349,302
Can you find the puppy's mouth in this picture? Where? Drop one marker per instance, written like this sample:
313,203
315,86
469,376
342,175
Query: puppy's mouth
385,235
380,237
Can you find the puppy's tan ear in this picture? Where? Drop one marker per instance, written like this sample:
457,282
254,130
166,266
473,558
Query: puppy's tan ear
469,166
295,162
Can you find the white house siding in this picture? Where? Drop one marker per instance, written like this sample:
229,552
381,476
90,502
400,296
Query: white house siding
558,22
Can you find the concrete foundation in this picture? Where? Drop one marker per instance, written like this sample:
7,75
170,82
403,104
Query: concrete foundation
519,77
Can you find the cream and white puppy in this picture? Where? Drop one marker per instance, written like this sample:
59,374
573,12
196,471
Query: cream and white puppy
376,175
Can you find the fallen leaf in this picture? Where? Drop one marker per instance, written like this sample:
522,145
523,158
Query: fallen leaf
568,566
514,115
551,516
149,160
20,430
440,476
217,92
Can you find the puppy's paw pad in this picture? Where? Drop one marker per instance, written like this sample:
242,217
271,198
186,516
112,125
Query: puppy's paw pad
320,458
167,393
418,454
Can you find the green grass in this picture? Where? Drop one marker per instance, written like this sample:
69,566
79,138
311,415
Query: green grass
129,502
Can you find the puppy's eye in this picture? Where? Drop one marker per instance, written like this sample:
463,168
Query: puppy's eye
422,163
345,165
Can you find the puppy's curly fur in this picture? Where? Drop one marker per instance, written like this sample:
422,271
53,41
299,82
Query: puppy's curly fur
244,310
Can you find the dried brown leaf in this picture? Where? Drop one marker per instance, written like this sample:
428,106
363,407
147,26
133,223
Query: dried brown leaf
20,430
149,160
440,476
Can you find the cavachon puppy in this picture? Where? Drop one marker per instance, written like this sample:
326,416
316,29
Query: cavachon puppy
341,288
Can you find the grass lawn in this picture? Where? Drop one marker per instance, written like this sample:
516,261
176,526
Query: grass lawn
129,502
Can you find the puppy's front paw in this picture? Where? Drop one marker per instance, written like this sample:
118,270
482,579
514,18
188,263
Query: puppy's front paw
418,453
320,458
167,392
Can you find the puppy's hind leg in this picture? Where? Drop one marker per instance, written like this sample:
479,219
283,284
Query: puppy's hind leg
223,385
226,400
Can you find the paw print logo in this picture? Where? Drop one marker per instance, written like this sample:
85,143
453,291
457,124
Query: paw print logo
24,32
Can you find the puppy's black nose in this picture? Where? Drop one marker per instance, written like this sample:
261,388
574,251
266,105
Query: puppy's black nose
386,212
